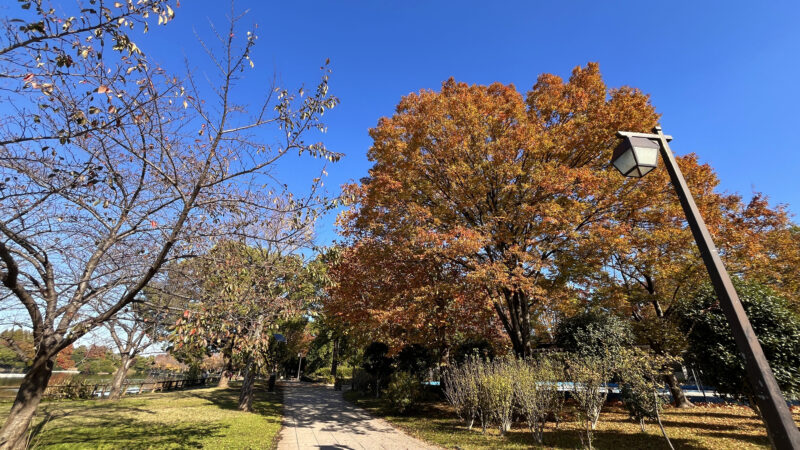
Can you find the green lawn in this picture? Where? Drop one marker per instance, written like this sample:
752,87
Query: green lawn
199,418
715,427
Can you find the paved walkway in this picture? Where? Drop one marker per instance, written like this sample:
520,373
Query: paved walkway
317,417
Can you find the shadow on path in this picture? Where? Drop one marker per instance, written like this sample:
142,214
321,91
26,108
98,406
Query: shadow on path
317,417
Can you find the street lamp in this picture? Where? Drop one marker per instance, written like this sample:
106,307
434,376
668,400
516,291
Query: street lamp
299,364
635,156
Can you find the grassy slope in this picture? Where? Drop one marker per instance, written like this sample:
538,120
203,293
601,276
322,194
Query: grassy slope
717,427
194,418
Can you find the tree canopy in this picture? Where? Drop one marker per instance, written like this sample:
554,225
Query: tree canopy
501,189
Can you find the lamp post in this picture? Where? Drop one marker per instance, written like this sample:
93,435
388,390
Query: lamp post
299,364
637,155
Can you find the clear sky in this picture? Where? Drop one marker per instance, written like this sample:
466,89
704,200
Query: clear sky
724,74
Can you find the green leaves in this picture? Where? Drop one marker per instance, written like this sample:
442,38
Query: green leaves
713,350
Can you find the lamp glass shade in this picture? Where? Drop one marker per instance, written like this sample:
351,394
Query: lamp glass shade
625,162
635,156
645,170
646,156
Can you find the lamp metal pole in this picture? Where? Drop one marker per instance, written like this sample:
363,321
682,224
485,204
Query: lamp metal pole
781,428
299,364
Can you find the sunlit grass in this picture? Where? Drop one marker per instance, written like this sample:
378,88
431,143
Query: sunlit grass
714,427
196,418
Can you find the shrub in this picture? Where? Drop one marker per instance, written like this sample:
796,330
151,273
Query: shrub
403,392
589,374
593,333
377,364
712,347
497,392
536,392
640,374
416,360
361,381
480,349
462,391
70,388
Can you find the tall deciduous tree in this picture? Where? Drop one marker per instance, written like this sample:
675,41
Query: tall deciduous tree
500,186
111,169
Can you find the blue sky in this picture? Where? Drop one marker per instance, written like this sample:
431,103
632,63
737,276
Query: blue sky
723,74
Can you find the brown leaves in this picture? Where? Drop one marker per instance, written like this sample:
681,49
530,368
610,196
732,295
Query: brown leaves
507,192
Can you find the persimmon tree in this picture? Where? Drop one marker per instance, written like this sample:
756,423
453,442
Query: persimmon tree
244,292
501,186
111,168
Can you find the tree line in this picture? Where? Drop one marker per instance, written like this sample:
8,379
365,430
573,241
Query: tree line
493,215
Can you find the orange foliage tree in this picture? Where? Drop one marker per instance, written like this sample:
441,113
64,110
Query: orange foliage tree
64,358
503,191
395,294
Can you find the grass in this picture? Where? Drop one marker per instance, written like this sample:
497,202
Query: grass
716,427
199,418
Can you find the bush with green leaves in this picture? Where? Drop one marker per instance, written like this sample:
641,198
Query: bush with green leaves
641,376
497,392
484,390
403,392
593,332
536,392
470,349
712,348
416,360
589,375
378,364
70,388
361,380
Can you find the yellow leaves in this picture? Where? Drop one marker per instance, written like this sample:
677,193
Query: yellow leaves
102,89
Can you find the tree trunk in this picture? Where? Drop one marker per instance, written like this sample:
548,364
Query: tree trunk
678,397
517,321
227,373
13,435
119,378
246,394
335,358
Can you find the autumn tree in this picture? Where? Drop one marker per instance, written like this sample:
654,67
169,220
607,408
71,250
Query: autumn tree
64,358
653,261
244,293
500,186
394,293
111,168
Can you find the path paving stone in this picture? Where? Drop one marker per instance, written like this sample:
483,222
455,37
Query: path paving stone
317,417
